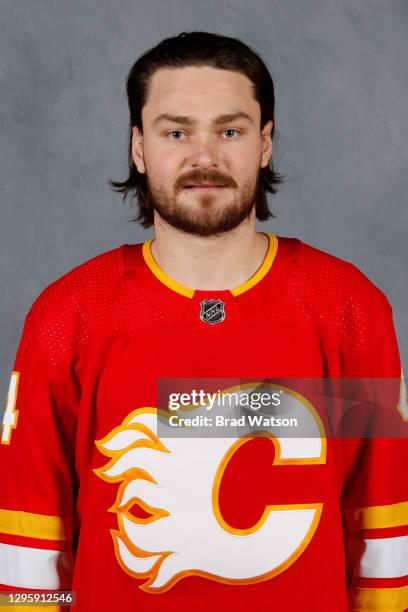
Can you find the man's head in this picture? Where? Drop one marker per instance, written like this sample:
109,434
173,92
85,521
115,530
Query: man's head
201,113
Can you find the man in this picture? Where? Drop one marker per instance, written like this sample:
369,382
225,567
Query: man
100,495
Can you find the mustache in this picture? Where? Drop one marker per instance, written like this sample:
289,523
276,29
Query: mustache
198,176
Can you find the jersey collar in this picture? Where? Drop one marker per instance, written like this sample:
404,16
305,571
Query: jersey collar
169,282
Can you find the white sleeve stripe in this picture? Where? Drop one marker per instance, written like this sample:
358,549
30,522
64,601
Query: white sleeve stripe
34,568
384,558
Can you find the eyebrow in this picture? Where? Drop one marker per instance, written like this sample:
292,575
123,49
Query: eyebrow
185,120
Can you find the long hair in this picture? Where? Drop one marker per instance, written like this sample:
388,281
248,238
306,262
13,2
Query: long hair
197,49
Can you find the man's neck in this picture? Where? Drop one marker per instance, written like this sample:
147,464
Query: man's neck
209,263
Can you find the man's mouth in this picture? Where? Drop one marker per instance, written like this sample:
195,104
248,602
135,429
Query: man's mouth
204,186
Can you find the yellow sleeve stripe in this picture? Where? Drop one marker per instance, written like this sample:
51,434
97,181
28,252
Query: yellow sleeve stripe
377,517
29,525
390,599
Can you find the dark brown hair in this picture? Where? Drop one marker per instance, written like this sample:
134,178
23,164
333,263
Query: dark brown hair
197,49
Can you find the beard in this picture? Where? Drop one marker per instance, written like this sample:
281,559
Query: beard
207,217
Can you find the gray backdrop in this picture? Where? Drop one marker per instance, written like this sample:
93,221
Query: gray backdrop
341,78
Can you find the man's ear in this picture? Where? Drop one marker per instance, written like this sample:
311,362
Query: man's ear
137,150
266,151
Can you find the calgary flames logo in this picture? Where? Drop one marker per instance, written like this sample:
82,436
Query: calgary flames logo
176,481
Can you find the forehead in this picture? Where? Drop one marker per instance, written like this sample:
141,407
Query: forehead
203,91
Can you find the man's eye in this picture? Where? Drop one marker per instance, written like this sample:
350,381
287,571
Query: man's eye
231,130
174,132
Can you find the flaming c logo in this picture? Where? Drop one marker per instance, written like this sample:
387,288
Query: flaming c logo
176,481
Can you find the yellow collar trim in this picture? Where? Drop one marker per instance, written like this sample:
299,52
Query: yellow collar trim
187,292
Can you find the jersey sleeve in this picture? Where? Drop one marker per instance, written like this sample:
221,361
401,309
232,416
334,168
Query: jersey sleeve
375,486
37,473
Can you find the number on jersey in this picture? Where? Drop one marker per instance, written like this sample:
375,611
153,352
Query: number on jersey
10,414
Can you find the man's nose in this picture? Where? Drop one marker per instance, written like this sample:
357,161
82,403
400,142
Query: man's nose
204,152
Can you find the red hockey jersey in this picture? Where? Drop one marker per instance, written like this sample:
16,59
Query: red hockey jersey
94,500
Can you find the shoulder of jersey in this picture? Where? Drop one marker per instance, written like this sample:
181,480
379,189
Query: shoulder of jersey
329,271
331,288
83,299
95,279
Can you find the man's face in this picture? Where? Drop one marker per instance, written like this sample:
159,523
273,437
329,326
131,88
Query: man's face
201,125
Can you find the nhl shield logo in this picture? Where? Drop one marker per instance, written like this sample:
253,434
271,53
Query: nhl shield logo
212,311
